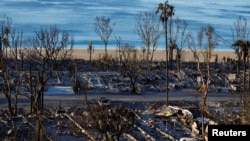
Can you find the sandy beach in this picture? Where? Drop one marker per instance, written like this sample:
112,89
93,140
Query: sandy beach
187,55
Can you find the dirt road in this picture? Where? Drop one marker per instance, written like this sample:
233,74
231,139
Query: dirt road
149,96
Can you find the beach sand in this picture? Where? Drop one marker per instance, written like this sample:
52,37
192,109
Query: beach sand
187,55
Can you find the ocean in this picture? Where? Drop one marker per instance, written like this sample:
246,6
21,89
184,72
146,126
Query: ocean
77,17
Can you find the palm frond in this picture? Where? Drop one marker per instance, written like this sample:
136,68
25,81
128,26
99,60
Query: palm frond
240,43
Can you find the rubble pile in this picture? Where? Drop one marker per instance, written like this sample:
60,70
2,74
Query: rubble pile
136,121
15,127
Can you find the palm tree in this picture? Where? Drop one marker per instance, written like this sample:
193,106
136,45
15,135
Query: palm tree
143,52
243,47
240,31
90,50
167,11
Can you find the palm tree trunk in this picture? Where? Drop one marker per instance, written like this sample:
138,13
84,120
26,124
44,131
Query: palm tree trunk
166,36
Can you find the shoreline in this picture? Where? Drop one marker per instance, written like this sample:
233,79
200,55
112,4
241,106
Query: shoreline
160,54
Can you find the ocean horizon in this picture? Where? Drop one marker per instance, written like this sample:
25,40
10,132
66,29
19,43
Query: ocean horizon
77,17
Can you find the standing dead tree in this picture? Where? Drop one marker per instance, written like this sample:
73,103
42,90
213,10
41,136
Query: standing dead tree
131,66
148,29
103,29
180,36
207,40
4,60
177,36
196,53
49,48
118,40
16,56
10,62
118,45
